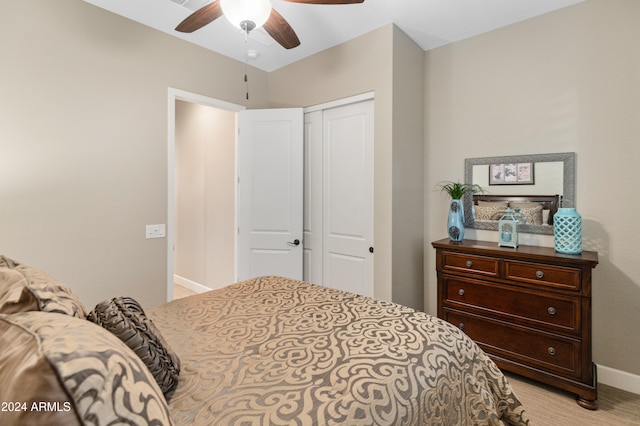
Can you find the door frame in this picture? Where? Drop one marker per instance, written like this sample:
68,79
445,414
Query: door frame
174,95
341,102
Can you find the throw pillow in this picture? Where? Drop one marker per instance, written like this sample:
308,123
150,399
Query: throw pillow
23,288
125,318
489,212
62,370
531,211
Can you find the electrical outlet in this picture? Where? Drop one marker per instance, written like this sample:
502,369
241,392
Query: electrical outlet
156,231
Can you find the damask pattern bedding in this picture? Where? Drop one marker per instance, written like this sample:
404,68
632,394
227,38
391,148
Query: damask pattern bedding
276,351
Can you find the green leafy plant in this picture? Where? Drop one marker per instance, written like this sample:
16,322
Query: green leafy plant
456,190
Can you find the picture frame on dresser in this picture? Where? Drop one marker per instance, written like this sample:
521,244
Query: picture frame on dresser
528,308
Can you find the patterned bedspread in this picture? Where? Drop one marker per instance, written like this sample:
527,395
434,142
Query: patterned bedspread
275,351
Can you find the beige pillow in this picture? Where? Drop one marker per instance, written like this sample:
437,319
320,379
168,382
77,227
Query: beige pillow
125,319
14,293
531,211
82,373
490,212
524,204
23,288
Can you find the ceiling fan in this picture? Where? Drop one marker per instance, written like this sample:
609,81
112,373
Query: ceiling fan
250,14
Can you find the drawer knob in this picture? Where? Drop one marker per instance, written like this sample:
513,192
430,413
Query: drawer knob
469,264
551,350
551,310
540,274
461,326
461,292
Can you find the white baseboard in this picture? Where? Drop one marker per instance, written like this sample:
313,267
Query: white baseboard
619,379
191,285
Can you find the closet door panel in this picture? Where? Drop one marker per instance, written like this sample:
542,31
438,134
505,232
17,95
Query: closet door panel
348,197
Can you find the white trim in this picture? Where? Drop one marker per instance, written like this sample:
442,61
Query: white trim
619,379
340,102
236,181
190,285
172,96
183,95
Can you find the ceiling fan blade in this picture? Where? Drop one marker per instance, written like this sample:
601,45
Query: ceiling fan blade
326,1
281,31
201,17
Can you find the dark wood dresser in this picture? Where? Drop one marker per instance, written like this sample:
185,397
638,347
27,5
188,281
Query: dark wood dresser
529,308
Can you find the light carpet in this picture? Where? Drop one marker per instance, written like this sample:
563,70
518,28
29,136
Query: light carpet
549,406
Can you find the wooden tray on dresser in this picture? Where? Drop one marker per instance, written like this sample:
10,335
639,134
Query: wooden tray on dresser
529,308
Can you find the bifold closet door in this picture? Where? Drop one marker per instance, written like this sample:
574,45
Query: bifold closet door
347,199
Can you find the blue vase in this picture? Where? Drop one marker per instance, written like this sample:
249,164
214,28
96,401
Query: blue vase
567,231
455,224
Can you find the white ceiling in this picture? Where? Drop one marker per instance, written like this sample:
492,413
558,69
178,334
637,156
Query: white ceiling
430,23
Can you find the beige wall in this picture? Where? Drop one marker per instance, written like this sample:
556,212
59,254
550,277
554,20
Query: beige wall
408,170
363,65
83,137
566,81
205,194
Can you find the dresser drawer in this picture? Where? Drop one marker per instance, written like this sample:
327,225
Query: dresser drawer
519,344
552,276
556,313
468,263
529,308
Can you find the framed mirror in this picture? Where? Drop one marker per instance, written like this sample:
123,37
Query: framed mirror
536,177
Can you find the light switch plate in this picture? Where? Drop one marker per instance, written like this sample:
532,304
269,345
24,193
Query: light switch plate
156,231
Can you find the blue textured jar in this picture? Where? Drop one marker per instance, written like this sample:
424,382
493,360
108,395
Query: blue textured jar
567,231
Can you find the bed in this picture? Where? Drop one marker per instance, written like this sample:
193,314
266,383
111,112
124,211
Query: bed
267,351
537,209
279,351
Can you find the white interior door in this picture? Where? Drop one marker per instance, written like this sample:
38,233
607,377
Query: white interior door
312,264
270,193
348,197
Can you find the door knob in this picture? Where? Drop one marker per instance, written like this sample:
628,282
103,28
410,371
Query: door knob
295,242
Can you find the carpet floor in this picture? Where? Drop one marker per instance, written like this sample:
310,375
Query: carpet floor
548,406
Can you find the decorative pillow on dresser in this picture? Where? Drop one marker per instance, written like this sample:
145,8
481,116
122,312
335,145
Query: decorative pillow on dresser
125,318
62,370
23,288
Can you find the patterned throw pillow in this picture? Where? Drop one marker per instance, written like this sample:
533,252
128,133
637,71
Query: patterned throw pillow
531,211
62,370
125,318
23,288
490,212
14,294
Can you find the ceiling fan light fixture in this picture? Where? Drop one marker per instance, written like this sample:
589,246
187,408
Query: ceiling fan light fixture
246,14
